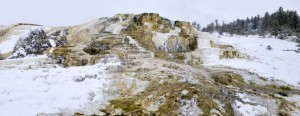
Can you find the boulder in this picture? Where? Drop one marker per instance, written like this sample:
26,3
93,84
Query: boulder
35,42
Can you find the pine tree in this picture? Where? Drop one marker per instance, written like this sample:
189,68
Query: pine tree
248,26
194,24
281,16
275,28
255,23
198,27
210,28
285,23
294,20
222,28
265,23
216,25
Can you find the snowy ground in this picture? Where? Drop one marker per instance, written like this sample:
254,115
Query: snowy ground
43,90
276,63
248,109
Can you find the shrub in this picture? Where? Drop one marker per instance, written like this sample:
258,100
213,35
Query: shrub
269,47
228,78
283,94
285,87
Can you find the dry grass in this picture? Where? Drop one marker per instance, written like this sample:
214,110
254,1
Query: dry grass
228,78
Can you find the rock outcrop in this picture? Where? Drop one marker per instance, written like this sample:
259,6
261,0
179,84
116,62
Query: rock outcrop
35,42
158,33
72,56
59,38
227,51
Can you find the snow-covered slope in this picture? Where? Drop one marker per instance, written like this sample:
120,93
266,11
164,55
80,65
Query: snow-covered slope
14,37
27,90
8,44
218,75
281,62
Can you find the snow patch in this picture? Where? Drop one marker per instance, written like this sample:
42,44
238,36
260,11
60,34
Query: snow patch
155,105
278,63
190,108
52,42
250,110
161,38
294,99
114,28
244,97
54,90
9,43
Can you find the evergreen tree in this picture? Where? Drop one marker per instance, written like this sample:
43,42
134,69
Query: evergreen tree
283,23
275,28
265,23
222,28
198,27
280,16
194,24
255,23
248,26
210,28
217,25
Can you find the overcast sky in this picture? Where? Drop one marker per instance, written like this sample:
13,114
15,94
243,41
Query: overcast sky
72,12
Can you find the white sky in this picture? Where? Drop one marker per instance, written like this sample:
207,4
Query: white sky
72,12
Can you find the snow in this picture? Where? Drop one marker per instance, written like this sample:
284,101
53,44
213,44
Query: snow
114,28
136,85
250,110
247,109
132,41
294,98
244,97
160,38
190,108
41,90
215,112
52,42
275,63
204,42
184,92
141,86
19,51
248,103
155,105
9,44
220,105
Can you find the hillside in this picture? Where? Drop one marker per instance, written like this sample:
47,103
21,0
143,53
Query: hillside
144,64
281,24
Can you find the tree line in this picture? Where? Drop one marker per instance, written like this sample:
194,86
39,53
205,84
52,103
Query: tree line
280,24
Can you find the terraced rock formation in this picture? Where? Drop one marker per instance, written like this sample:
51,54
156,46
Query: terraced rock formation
162,71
